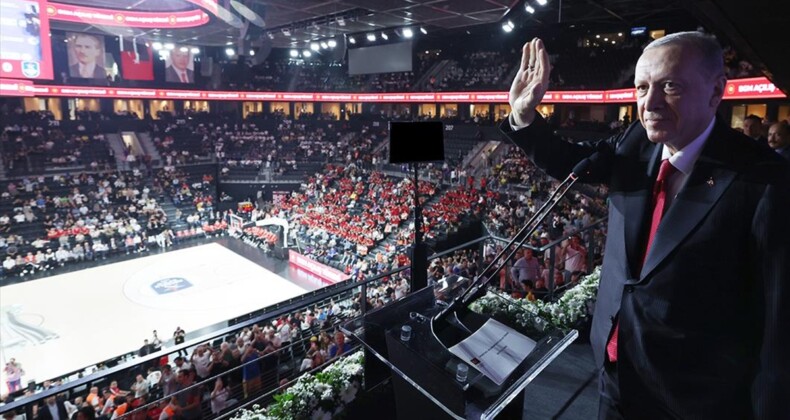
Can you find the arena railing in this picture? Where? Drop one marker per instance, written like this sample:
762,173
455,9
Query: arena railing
343,293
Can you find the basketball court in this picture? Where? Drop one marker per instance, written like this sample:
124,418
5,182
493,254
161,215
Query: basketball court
70,321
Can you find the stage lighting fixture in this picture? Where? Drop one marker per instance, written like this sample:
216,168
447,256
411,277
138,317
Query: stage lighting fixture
424,32
314,46
332,43
352,40
542,2
195,50
229,52
508,26
157,46
385,36
324,45
307,53
294,53
271,35
530,9
408,33
252,53
170,46
371,37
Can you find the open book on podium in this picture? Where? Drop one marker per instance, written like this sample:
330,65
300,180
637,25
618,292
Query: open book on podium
423,358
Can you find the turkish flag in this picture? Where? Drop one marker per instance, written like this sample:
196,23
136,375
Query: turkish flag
137,62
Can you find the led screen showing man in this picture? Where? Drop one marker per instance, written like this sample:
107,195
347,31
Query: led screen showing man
179,66
86,56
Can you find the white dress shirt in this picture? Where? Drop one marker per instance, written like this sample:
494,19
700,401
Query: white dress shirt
683,160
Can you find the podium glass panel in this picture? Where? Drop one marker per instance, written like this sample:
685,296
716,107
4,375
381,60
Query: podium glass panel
429,368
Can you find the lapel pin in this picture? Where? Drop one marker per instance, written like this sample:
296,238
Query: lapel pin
710,181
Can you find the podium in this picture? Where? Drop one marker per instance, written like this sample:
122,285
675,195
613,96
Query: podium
423,370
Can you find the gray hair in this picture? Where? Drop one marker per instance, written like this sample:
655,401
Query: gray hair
707,48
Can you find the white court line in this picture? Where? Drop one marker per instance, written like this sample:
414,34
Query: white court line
98,313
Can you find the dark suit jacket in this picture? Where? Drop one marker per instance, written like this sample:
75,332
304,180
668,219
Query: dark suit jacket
705,322
44,413
98,72
172,76
785,153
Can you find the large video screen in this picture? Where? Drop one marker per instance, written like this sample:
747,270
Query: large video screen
86,56
25,48
179,64
387,58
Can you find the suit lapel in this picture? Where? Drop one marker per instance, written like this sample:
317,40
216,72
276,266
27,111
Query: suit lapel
705,185
635,211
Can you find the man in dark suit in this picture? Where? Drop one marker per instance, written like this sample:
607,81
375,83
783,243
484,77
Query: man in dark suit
52,408
178,71
779,139
693,309
87,51
753,127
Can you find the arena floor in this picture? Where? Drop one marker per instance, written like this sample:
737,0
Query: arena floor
62,323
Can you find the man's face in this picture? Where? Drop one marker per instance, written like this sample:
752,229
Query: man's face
180,59
86,49
778,136
676,99
752,128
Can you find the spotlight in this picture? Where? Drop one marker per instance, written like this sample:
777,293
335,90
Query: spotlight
157,46
371,37
542,2
530,9
252,53
324,45
170,46
183,49
424,32
271,35
230,52
307,53
384,36
508,26
314,46
294,53
352,40
408,33
332,43
195,50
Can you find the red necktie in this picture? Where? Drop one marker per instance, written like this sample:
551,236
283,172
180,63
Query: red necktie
184,78
659,205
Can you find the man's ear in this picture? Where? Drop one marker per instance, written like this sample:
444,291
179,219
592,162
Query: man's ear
719,85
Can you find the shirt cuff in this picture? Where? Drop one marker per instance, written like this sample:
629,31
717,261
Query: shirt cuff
513,126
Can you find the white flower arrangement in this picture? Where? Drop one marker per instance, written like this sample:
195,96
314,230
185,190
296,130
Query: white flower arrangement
538,316
315,397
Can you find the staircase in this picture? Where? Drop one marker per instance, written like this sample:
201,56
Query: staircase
149,148
115,143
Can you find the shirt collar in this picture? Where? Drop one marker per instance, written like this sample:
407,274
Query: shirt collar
685,158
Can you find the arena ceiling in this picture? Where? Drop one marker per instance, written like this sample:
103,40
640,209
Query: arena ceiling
287,23
756,30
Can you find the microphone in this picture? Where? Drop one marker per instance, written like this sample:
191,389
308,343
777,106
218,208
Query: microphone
593,164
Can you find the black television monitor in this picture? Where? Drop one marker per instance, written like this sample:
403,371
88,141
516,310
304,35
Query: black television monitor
416,141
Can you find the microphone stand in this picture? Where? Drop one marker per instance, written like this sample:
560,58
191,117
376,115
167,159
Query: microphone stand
478,286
